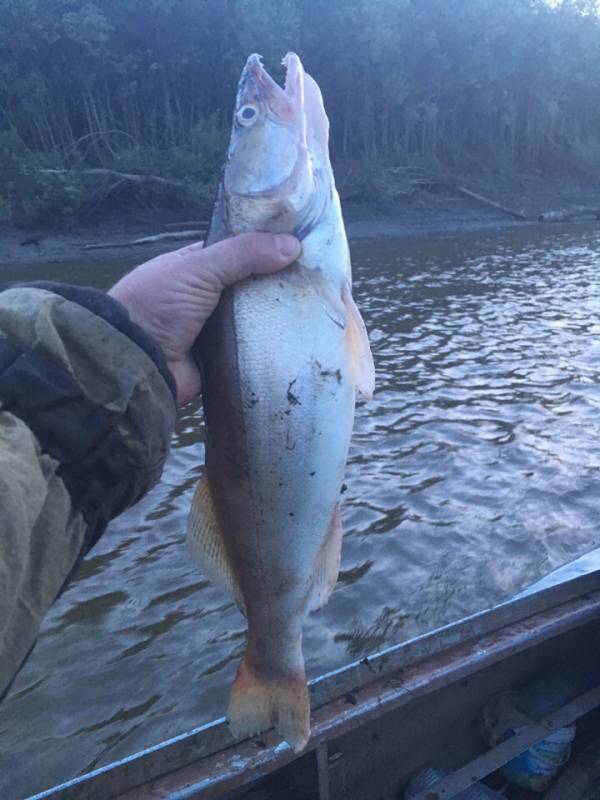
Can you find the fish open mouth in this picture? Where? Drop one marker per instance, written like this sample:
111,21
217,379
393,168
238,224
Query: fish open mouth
256,84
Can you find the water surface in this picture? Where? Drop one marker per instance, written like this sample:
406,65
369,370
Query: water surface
473,472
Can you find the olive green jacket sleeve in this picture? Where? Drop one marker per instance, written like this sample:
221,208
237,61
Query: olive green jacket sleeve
87,410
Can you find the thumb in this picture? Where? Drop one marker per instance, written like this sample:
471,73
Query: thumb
234,259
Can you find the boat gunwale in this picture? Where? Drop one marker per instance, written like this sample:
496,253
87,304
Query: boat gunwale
208,740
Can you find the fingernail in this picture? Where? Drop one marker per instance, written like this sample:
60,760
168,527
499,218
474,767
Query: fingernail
288,246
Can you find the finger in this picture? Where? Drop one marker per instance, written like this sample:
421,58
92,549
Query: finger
187,379
234,259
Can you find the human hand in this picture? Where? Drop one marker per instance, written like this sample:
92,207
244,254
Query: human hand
173,295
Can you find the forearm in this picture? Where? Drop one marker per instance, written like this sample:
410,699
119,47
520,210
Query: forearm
86,413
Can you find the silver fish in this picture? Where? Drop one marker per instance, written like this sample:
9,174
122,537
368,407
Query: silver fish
282,357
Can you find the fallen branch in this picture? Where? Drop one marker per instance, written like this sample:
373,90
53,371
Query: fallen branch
485,201
198,222
565,214
175,236
121,176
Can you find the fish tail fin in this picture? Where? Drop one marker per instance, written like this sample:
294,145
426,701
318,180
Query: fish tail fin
258,701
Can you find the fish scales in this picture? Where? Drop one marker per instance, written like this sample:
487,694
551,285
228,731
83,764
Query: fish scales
282,357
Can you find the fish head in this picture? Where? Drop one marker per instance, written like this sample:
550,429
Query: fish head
269,180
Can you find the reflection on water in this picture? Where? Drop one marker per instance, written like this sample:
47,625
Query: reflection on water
474,471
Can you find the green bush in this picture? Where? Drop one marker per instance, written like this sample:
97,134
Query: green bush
30,195
33,196
199,156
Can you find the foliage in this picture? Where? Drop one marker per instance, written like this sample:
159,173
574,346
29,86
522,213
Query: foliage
148,85
29,194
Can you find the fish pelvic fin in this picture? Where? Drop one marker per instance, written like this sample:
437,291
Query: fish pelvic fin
362,368
261,700
327,563
206,544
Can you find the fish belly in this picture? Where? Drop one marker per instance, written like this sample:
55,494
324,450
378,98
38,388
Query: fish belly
279,406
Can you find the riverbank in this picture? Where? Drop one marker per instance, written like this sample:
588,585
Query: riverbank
431,212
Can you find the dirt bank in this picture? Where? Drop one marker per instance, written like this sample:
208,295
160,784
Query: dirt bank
422,213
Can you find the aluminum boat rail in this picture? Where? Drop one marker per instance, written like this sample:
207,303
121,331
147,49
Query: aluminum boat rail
208,761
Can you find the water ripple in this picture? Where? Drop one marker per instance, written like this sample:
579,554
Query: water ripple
474,471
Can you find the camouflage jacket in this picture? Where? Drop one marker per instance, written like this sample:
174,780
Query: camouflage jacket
87,407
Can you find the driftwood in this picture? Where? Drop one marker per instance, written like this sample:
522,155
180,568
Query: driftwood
566,214
491,203
198,223
175,236
120,176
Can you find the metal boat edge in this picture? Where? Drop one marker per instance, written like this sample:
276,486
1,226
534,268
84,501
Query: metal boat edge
471,638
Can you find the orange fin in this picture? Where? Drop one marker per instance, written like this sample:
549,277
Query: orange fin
328,294
206,545
257,703
327,564
362,369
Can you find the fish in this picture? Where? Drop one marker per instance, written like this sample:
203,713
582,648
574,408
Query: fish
282,358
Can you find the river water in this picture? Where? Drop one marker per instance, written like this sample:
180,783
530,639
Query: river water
473,472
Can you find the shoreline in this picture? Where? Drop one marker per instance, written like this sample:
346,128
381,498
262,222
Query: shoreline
68,247
424,214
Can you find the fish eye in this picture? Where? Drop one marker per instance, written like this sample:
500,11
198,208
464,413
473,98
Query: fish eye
247,115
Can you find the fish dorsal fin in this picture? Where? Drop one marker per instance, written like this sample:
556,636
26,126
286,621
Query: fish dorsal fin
206,544
327,564
362,368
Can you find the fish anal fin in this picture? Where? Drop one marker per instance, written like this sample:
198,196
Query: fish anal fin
260,701
327,564
206,544
362,368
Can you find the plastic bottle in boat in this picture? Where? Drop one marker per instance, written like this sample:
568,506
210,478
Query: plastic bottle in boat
507,714
430,776
536,768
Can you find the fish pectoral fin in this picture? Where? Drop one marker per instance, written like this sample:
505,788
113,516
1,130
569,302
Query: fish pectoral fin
327,293
327,564
362,368
206,544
